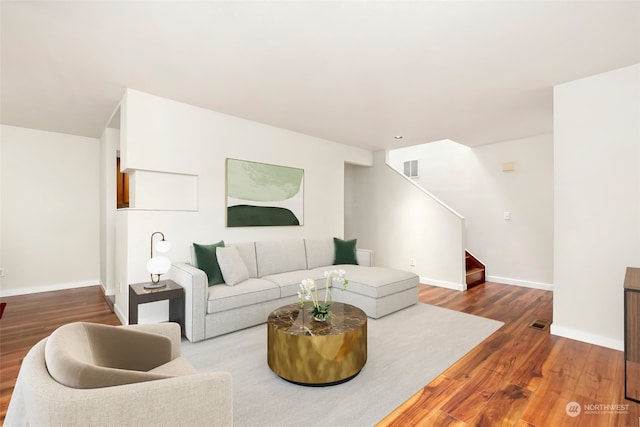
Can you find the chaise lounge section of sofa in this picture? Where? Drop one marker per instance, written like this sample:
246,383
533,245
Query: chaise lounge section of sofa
275,270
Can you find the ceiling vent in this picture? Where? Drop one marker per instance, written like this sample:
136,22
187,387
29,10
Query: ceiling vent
411,168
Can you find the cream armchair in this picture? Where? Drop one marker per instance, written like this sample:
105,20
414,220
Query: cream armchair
97,375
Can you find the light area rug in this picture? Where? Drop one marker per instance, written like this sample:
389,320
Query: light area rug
406,350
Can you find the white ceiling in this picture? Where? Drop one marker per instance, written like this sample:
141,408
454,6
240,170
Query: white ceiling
354,72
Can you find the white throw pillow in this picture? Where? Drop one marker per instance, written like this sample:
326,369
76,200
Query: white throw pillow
232,267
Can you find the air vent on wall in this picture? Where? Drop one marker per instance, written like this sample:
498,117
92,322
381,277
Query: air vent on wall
411,168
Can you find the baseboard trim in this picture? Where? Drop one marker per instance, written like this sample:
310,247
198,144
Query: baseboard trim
517,282
48,288
442,284
587,337
120,314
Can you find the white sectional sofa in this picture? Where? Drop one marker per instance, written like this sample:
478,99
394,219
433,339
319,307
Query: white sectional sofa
276,269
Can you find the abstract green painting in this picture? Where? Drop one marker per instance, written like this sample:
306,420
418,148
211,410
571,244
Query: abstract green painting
259,194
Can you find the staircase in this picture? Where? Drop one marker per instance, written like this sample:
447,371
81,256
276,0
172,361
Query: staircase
475,270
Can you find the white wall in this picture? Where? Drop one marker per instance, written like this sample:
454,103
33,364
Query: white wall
163,191
471,181
597,203
386,212
161,135
50,210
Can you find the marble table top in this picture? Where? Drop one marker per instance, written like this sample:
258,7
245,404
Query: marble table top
292,319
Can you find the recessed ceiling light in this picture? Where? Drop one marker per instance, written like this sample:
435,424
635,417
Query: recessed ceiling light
398,137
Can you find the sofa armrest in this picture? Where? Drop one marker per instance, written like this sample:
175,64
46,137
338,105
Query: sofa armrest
203,399
365,257
195,284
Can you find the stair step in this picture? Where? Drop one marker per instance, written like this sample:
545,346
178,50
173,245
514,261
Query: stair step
475,279
474,270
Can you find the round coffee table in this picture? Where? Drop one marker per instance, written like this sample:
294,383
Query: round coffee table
308,352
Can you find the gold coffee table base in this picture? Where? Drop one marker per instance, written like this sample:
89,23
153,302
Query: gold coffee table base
308,352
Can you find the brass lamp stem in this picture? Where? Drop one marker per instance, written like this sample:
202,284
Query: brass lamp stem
157,278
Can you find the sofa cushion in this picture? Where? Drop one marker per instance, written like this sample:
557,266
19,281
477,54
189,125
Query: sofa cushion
177,367
280,256
289,282
248,253
249,292
232,266
377,282
320,252
207,261
345,251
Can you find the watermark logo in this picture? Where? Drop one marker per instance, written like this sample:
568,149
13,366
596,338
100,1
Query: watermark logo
573,409
616,408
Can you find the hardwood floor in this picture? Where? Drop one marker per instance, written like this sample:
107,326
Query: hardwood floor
519,376
29,318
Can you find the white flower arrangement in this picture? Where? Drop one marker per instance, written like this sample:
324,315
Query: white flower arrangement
309,292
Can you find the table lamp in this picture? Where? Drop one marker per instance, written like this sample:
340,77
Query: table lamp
158,265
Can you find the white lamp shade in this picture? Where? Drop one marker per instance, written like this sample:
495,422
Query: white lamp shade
159,265
163,246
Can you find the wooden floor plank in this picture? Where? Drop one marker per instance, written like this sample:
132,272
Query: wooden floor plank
441,419
468,401
434,394
529,374
505,408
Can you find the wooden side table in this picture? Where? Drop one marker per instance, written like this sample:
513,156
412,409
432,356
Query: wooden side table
173,292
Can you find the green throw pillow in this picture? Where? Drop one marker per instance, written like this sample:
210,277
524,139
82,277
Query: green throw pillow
345,251
207,261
